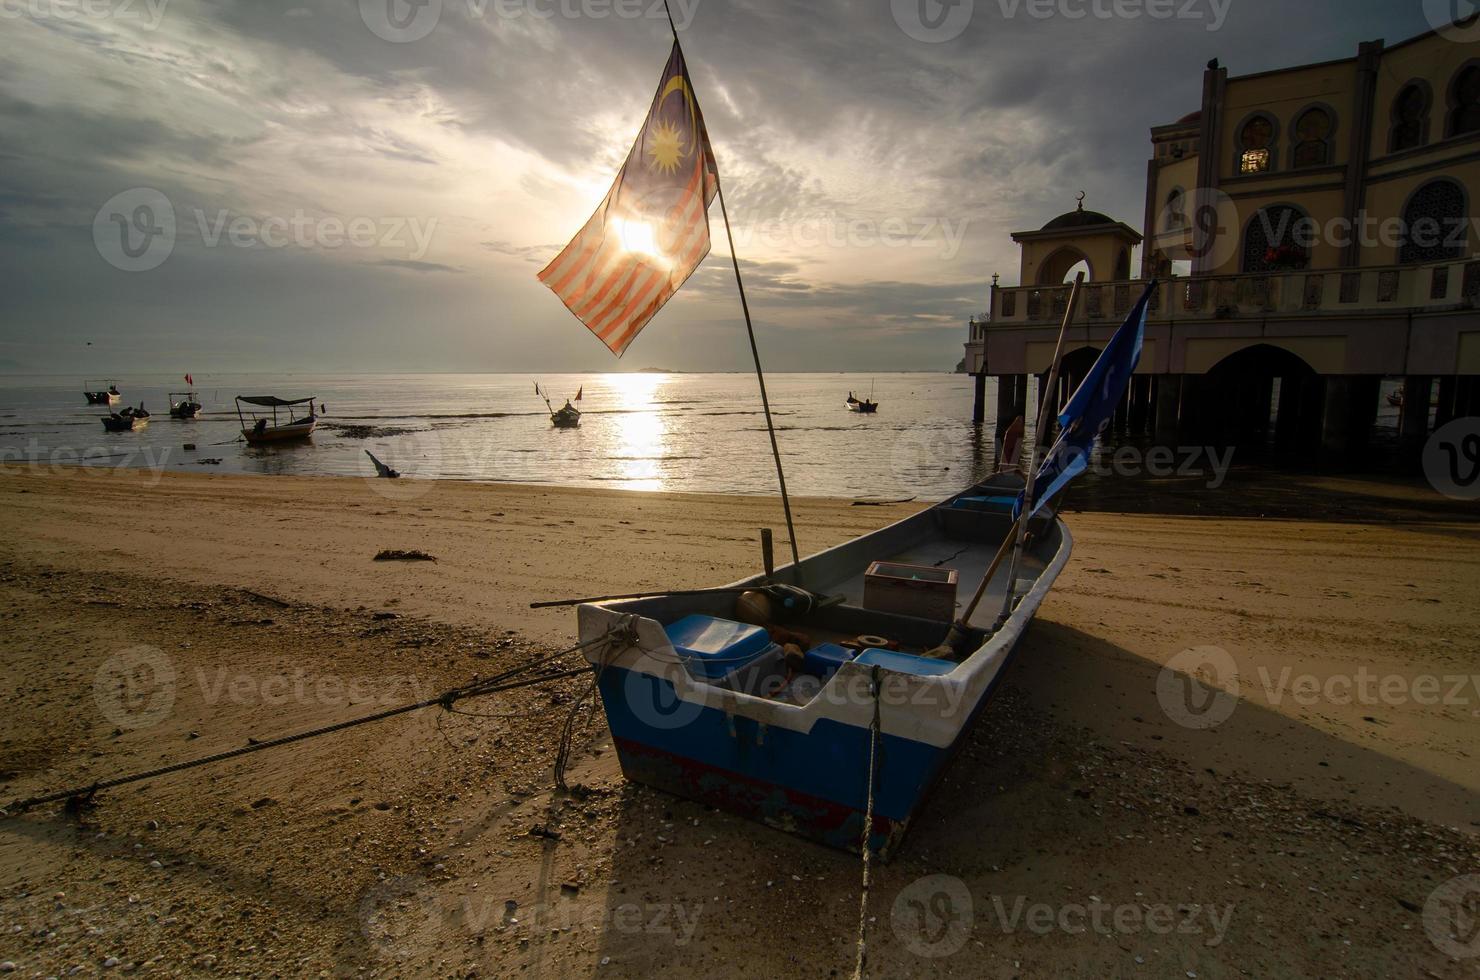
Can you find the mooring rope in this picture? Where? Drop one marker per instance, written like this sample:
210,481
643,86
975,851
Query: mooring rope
492,685
868,829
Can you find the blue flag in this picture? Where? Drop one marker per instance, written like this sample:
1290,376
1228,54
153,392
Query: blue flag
1093,404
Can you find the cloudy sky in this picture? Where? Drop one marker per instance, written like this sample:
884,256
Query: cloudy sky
371,185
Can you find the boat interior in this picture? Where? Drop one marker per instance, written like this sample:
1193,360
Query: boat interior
889,600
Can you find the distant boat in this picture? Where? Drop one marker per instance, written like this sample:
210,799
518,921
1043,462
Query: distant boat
1395,397
866,406
566,417
128,420
101,392
187,407
275,429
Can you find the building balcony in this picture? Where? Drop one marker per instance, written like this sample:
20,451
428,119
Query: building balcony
1370,305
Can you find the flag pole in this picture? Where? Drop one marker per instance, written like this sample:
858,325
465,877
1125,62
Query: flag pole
1047,408
755,353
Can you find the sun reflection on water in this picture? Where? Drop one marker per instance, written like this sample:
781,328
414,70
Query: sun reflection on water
642,435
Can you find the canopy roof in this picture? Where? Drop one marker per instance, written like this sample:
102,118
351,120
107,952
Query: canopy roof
273,401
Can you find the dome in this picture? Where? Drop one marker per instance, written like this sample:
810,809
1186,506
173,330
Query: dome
1078,219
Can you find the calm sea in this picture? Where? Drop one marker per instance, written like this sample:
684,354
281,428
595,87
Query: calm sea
678,432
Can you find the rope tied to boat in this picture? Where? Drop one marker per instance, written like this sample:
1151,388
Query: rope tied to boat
480,688
868,828
619,637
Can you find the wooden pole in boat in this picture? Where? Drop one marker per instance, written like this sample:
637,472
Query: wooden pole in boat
791,531
960,629
1048,407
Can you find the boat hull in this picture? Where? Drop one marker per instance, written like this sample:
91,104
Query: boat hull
803,765
185,412
864,408
101,397
124,425
281,433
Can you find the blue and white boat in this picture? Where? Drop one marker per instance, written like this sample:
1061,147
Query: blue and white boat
706,701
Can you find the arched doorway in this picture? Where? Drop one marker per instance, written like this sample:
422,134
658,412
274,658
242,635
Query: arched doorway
1259,399
1058,267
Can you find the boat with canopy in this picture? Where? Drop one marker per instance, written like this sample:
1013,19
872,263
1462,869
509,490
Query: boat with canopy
184,404
101,392
270,426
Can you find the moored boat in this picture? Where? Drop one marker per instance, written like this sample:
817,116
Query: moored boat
567,416
865,405
101,392
273,428
770,713
184,404
128,420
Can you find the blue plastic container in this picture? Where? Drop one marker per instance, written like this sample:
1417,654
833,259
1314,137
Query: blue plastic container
714,648
824,659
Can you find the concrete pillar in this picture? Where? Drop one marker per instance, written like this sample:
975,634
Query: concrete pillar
1466,395
1446,401
1335,423
1413,418
1005,396
1020,396
1168,409
1347,416
979,404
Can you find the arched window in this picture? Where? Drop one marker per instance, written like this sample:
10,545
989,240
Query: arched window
1123,265
1176,210
1464,102
1256,146
1313,139
1277,239
1410,119
1434,224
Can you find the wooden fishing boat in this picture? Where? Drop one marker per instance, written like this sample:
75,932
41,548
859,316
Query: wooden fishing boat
866,406
128,420
184,404
565,417
706,701
101,392
273,428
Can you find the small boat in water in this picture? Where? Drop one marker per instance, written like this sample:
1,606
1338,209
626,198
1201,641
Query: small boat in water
288,427
128,420
867,406
184,404
1395,397
101,392
565,417
768,712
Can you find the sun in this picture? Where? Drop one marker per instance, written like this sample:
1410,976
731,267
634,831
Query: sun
667,147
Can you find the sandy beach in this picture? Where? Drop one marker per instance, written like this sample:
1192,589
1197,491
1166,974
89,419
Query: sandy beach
1302,835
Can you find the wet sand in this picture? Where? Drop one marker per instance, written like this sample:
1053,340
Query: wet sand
1302,836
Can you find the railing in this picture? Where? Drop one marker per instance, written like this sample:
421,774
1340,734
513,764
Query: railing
1314,292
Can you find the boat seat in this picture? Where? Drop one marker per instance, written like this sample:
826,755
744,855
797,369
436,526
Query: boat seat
713,648
904,663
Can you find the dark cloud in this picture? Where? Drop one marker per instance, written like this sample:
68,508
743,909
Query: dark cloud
823,113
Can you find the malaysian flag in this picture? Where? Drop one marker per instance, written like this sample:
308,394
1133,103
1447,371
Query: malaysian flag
652,229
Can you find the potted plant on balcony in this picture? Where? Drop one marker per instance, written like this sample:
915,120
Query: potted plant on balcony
1283,258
